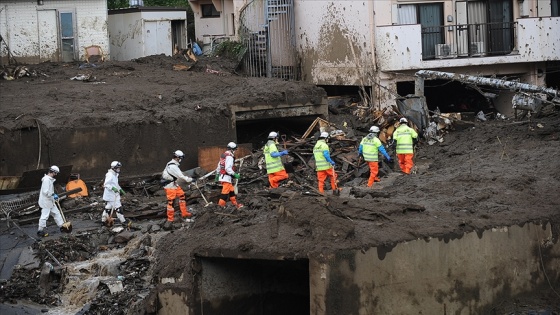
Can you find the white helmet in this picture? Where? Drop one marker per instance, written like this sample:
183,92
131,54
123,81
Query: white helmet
374,129
54,169
179,154
116,164
403,120
272,135
324,134
232,146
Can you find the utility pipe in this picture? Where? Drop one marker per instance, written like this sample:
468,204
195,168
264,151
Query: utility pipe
499,83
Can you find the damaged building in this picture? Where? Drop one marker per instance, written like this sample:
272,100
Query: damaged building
375,47
474,229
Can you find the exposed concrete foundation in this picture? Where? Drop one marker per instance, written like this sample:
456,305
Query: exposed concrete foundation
466,275
142,147
461,276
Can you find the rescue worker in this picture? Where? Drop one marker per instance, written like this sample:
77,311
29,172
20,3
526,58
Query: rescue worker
172,173
225,173
47,198
370,146
324,165
112,193
405,138
274,166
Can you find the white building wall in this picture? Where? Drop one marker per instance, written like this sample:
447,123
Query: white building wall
126,36
139,34
334,42
27,28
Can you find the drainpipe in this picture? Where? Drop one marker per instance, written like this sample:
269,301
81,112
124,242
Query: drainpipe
511,85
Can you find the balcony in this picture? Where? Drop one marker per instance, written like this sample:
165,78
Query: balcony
412,47
468,40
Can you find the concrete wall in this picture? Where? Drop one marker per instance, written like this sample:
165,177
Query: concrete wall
32,30
399,47
334,43
141,148
468,275
139,34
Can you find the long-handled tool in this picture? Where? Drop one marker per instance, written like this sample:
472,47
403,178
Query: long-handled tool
66,227
203,197
357,169
235,189
336,191
110,220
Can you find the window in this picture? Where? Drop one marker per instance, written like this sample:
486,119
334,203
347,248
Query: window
555,7
430,16
209,11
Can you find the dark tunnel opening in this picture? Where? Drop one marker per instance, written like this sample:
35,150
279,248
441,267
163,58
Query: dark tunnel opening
451,96
256,131
248,286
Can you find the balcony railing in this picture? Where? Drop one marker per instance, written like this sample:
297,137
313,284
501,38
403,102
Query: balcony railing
469,40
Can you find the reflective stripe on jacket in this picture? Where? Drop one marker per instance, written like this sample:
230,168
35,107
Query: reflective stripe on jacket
321,162
404,135
370,148
273,164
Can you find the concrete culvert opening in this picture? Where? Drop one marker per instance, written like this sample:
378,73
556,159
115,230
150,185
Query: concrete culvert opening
250,286
256,131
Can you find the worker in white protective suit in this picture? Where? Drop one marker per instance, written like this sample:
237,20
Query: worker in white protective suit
112,195
173,190
47,198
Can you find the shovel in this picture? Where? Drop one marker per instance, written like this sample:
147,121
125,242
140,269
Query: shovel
357,170
336,192
66,227
235,189
203,197
110,220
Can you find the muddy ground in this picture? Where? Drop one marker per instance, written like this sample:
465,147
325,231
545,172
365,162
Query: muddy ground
496,173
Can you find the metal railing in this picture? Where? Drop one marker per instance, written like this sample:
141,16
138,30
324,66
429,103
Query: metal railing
469,40
268,34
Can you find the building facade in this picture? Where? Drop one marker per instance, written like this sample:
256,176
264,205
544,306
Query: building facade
58,31
379,45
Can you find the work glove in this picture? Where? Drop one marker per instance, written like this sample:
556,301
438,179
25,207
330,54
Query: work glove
217,178
114,189
236,176
121,192
55,196
285,152
189,180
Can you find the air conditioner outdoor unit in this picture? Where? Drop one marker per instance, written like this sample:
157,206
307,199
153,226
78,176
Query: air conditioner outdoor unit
477,49
444,51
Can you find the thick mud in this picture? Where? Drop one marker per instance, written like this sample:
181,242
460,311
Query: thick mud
497,173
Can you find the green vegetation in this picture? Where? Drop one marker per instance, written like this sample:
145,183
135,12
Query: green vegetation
230,49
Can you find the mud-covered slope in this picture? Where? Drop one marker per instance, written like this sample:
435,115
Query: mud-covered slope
145,90
498,173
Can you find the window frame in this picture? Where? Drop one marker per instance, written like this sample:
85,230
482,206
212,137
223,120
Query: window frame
212,14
